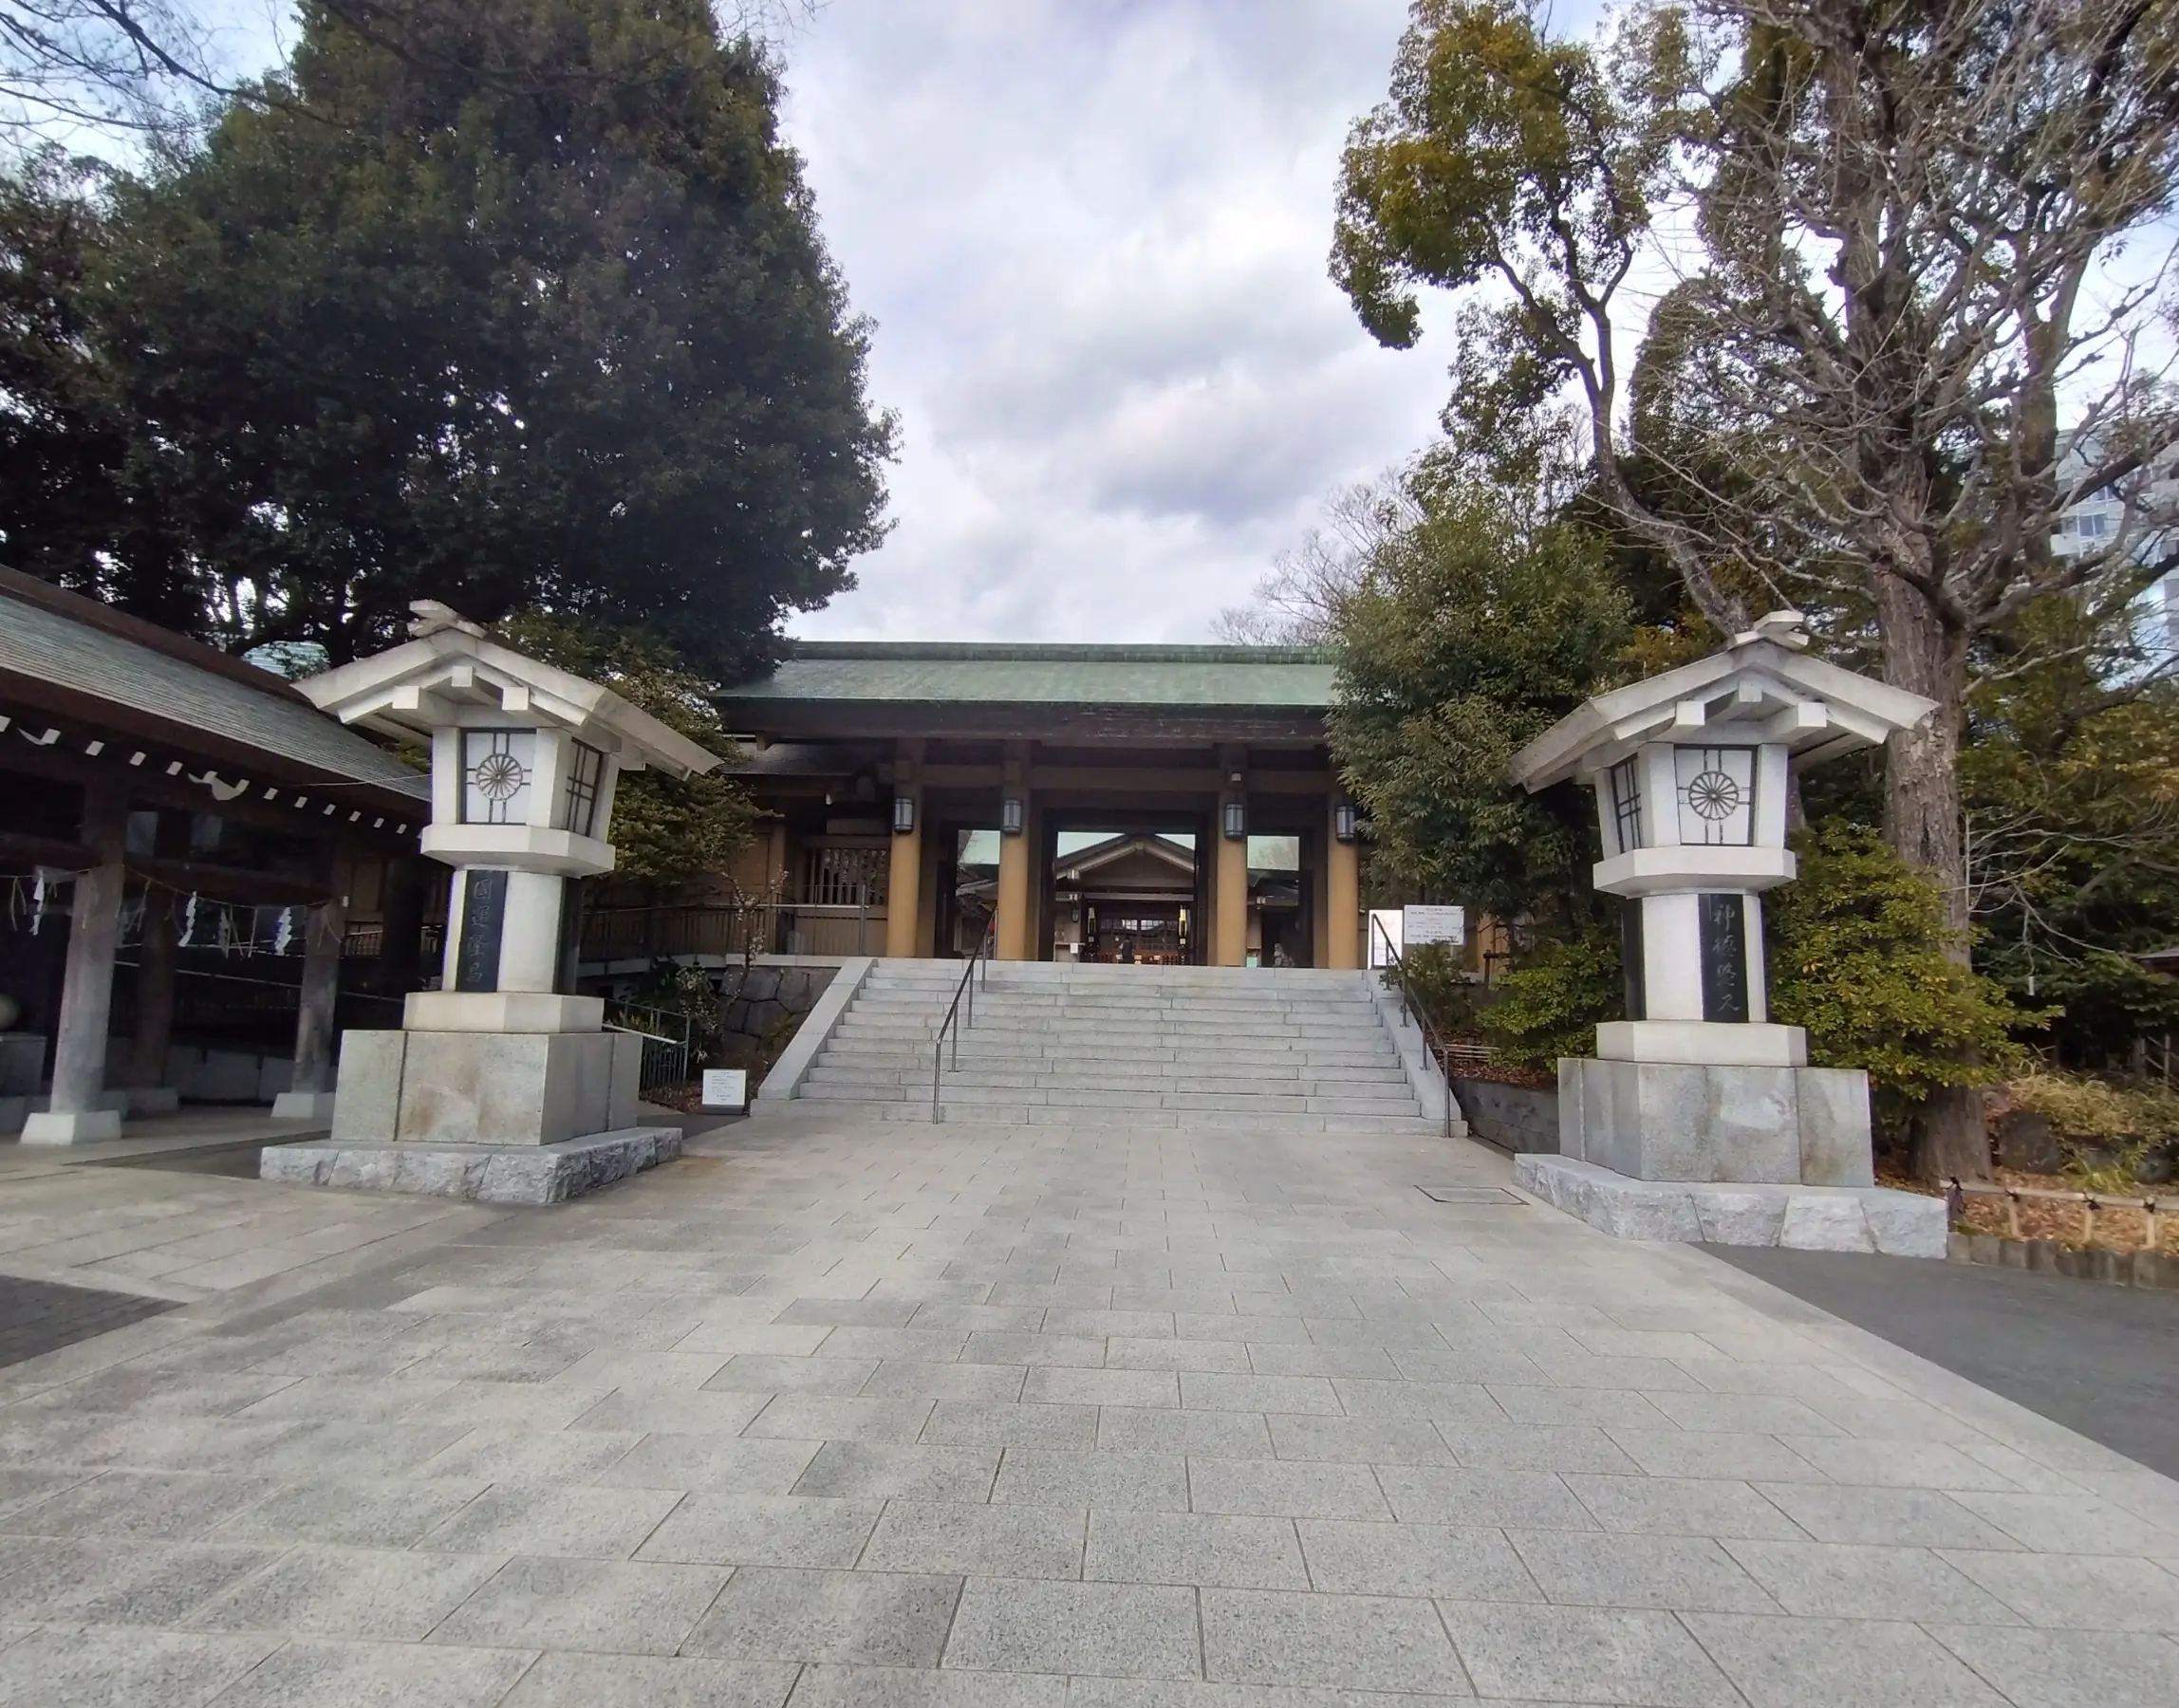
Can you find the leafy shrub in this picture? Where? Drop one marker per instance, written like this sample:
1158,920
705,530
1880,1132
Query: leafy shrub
1550,1007
2079,1107
1440,986
1858,958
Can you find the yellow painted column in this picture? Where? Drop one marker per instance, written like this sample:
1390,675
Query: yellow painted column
1229,944
903,882
1343,899
1015,916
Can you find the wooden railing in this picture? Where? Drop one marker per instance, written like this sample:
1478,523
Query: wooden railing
2152,1210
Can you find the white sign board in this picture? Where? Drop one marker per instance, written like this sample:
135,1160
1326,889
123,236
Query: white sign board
726,1088
1387,931
1434,925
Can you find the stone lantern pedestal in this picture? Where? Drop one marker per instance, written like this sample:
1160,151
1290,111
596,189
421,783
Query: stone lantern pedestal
1698,1118
502,1085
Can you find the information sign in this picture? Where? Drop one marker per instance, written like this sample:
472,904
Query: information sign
1434,924
726,1088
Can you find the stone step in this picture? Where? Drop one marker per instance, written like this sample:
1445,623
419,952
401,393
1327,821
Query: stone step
900,1057
1017,1115
1357,1082
962,1091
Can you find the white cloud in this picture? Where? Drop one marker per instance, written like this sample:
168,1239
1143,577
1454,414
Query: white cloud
1093,234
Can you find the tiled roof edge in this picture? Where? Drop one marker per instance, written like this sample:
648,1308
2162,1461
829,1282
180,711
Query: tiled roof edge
975,652
91,613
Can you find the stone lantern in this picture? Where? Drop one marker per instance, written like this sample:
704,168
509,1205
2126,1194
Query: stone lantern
502,1084
1698,1117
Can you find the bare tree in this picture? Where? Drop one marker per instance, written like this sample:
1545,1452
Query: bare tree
70,69
1297,602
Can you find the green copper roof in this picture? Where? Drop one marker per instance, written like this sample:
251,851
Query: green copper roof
1287,677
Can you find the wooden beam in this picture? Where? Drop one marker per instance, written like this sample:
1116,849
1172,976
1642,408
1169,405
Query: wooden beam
65,761
86,717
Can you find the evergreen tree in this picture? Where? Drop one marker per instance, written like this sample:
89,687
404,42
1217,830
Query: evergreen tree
530,311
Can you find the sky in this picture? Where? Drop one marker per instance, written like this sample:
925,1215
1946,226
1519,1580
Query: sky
1092,235
1092,238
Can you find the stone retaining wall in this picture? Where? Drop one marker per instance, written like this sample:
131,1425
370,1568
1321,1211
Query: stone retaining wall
1514,1118
772,995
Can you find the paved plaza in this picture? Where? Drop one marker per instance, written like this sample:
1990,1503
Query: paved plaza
854,1414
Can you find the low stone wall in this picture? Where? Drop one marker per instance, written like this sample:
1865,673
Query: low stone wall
1514,1118
2159,1269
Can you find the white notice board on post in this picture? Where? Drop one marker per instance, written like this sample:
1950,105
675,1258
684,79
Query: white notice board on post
1386,932
726,1088
1420,925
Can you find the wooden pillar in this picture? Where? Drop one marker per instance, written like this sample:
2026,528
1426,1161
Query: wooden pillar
326,924
1342,896
77,1113
401,930
1016,912
903,880
1229,934
157,953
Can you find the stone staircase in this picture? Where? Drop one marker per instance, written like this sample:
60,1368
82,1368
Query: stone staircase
1280,1049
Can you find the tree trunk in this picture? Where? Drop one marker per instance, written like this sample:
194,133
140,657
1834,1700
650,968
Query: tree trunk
1923,821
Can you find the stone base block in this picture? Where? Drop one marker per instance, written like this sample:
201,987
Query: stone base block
465,1088
501,1011
1806,1218
151,1100
1703,1043
1682,1121
487,1173
80,1127
303,1105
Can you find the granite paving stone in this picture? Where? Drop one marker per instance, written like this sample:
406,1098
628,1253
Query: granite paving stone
713,1463
1139,1429
1553,1654
169,1505
844,1413
991,1385
1292,1488
562,1679
366,1675
2069,1669
764,1530
1328,1641
1844,1581
886,1470
1462,1563
1009,1539
395,1594
1690,1573
1816,1663
2088,1592
1194,1548
1887,1518
124,1667
590,1523
607,1606
1113,1481
359,1513
1131,1630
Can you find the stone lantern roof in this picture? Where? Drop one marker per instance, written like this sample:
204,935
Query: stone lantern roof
1762,688
453,674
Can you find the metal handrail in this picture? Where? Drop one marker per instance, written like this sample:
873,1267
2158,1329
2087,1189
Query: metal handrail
1434,1041
952,1021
